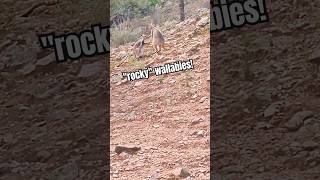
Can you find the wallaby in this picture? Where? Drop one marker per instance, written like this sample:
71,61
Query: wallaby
138,47
157,38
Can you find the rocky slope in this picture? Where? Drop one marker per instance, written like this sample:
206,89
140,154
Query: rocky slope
165,117
52,116
266,115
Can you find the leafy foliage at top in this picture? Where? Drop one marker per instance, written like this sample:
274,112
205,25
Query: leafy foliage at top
138,7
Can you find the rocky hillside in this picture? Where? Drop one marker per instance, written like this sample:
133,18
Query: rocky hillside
52,116
267,99
165,119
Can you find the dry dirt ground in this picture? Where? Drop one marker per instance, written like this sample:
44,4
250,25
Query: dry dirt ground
266,123
167,116
52,116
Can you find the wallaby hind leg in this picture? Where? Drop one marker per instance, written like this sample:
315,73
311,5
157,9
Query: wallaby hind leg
135,53
159,49
155,48
141,52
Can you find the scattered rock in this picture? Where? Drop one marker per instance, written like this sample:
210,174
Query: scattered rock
156,126
138,83
272,109
200,133
181,172
28,69
297,120
43,155
195,121
129,149
203,21
264,125
131,116
264,93
246,110
88,70
48,93
310,145
155,176
315,57
68,171
203,99
19,55
233,169
46,60
9,139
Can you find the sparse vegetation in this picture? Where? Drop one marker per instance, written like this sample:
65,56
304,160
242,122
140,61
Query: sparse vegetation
120,36
188,80
133,13
161,79
136,63
135,8
137,14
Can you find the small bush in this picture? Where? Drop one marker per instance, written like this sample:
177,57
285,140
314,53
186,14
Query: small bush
137,64
128,32
121,36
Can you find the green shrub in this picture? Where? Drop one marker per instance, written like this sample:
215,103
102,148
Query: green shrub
121,36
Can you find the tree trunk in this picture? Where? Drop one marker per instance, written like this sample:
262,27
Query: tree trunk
181,6
156,15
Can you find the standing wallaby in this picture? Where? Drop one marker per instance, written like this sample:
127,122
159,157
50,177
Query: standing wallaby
157,39
138,47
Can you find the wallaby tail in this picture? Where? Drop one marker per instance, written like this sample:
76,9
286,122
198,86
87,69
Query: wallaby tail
163,46
152,53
